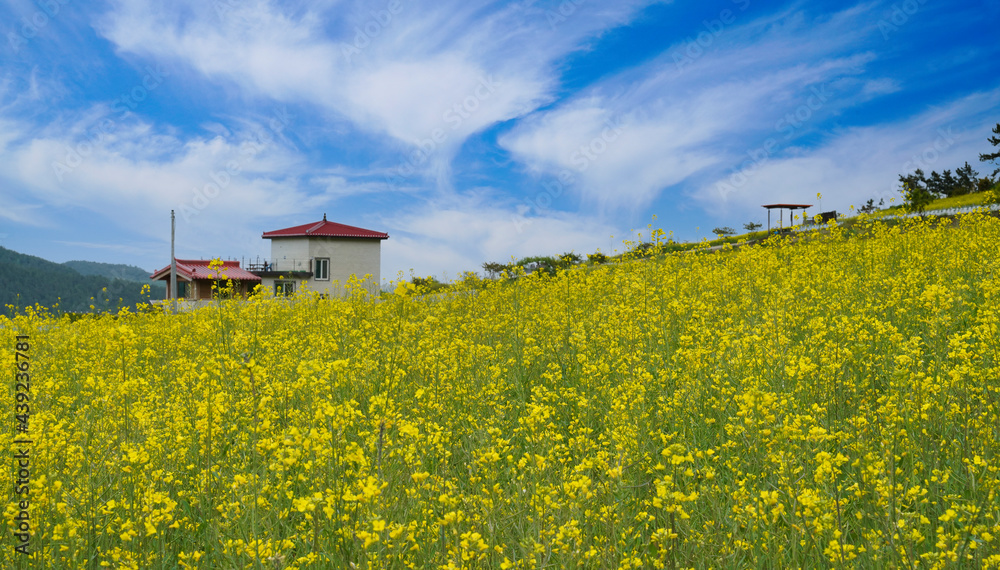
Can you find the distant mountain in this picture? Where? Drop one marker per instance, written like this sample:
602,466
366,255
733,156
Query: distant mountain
26,280
119,271
109,270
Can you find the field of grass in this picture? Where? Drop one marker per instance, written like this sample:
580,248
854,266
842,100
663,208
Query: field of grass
828,402
962,201
958,201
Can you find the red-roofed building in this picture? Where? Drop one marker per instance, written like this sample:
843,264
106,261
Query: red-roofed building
326,228
195,279
323,255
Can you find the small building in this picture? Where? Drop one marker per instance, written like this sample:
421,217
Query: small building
323,256
791,212
195,279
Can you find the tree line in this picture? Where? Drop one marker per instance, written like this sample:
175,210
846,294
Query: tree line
919,189
27,280
965,180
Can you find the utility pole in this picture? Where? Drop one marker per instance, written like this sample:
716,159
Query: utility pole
173,264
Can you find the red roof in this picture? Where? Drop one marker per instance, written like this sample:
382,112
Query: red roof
326,229
788,206
190,269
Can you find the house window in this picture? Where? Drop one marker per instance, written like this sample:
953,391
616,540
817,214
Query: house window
322,269
284,288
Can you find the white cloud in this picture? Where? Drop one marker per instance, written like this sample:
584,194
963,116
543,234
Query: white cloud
446,238
134,174
388,73
859,163
17,211
432,71
365,87
679,118
882,86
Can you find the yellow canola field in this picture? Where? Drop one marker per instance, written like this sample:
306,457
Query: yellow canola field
828,402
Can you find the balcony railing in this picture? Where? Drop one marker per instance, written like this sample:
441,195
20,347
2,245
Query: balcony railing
278,266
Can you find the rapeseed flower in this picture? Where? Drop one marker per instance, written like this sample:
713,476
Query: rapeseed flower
825,401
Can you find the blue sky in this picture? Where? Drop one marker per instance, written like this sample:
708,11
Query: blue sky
469,131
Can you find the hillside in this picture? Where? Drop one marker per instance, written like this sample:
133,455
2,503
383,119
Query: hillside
109,270
679,412
27,280
119,271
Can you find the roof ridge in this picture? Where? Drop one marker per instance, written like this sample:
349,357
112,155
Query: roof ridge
325,228
316,227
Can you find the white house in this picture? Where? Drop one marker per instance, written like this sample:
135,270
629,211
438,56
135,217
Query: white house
322,255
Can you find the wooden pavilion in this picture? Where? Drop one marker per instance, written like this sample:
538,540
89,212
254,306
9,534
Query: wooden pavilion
781,208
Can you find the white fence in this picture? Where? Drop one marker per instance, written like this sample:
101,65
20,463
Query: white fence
950,211
940,212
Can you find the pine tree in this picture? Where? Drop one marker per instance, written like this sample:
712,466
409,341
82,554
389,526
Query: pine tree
935,184
949,185
915,180
967,179
993,157
916,198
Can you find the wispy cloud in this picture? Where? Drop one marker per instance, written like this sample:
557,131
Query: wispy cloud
680,117
136,173
462,232
424,72
468,130
860,163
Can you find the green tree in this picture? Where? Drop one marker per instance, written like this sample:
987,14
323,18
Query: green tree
723,231
915,180
494,269
538,263
752,226
984,184
916,198
995,156
935,185
966,178
427,284
643,249
949,184
597,257
568,259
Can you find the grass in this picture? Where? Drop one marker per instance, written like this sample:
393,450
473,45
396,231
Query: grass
962,201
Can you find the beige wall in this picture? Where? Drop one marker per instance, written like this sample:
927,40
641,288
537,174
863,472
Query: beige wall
347,257
290,254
